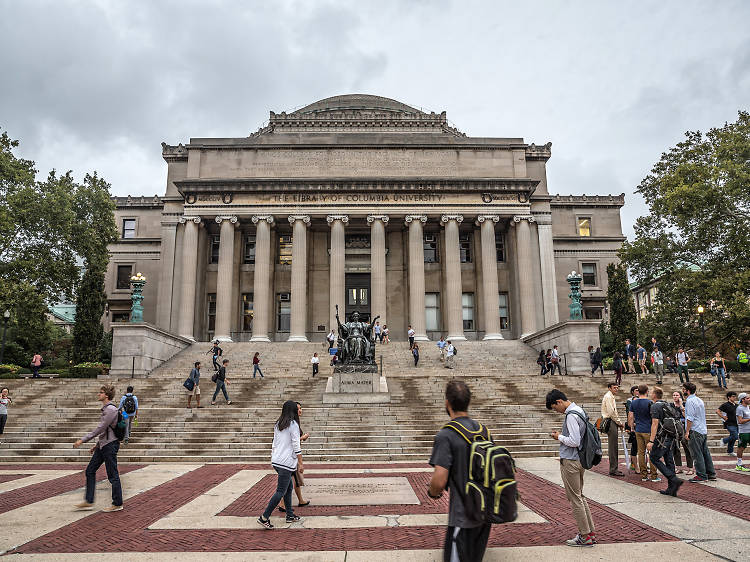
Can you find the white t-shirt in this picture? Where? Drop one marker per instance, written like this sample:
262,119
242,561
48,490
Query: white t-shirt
449,350
411,333
4,402
331,337
315,360
682,358
377,329
743,412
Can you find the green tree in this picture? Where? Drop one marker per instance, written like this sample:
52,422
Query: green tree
622,317
88,331
696,237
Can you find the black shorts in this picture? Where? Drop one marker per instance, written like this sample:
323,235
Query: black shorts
470,543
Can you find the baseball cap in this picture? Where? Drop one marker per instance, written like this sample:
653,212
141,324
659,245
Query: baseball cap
741,395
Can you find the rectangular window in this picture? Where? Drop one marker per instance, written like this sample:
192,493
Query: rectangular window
504,317
120,317
357,241
592,313
128,228
589,274
249,253
247,312
213,255
284,312
584,226
467,303
285,250
432,310
124,272
464,246
500,246
211,309
431,248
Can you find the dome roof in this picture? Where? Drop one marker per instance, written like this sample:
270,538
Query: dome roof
356,102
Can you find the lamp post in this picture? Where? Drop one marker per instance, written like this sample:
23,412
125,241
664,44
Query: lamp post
703,329
6,317
136,309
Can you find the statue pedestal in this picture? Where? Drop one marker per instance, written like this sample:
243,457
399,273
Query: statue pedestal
356,384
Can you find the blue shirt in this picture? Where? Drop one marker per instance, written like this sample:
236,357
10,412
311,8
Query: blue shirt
641,409
122,400
442,343
695,412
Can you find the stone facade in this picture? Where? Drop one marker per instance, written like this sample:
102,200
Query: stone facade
367,203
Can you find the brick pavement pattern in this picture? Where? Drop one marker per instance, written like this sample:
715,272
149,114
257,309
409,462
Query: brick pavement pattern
11,477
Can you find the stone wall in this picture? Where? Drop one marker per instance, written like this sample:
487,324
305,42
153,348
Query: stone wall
572,338
147,344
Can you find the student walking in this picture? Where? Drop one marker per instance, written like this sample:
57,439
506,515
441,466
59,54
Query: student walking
682,358
743,422
596,362
129,405
299,480
679,405
542,362
657,360
216,353
466,537
661,442
220,378
195,376
611,418
728,414
256,365
415,353
411,334
386,336
5,402
286,457
571,469
744,361
631,428
315,361
331,337
629,356
696,434
641,354
450,353
105,451
36,364
640,417
378,332
554,361
441,347
719,370
617,365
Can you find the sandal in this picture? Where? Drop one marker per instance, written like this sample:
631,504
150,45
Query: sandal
305,503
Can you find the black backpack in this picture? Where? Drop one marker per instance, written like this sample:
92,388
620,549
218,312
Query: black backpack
455,350
129,405
491,490
590,449
671,425
120,428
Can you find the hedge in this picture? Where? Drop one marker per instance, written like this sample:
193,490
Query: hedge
9,368
88,370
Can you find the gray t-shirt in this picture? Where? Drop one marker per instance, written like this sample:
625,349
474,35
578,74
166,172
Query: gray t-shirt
4,405
743,412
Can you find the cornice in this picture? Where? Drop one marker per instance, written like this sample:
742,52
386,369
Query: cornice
141,201
172,153
588,200
534,152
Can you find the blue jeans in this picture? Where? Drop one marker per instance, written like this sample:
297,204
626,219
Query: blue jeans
108,456
733,436
256,369
721,376
223,387
661,457
702,461
284,487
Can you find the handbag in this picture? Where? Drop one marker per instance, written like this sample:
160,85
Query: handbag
215,377
189,384
603,425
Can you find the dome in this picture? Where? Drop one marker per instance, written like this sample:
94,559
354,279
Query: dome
356,102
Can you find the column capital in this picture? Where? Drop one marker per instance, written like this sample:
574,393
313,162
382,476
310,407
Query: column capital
183,219
257,218
420,218
519,218
372,218
483,218
545,218
231,218
330,219
304,218
446,218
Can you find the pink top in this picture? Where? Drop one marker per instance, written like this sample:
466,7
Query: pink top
37,360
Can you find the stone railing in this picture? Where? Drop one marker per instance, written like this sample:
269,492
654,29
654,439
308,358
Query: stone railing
139,348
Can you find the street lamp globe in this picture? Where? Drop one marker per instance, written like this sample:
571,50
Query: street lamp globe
6,314
700,309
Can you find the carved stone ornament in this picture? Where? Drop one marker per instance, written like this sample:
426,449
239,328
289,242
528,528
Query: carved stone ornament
231,218
304,218
493,218
420,218
183,219
519,218
227,198
372,218
191,198
458,218
257,218
343,218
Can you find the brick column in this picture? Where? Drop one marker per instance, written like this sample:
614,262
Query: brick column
189,275
262,277
377,265
489,277
336,282
298,320
452,268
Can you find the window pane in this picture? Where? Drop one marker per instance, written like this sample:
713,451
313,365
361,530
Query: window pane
430,299
213,256
356,241
464,247
211,312
430,248
589,273
363,296
584,226
128,228
247,312
285,250
500,246
249,256
467,301
432,311
124,273
285,309
351,297
504,318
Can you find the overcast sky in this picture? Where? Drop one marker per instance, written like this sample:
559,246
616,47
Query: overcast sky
98,85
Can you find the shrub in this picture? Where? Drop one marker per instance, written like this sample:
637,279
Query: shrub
10,368
607,363
88,370
9,375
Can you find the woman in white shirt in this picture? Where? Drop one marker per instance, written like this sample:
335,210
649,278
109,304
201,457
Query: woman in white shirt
315,363
286,457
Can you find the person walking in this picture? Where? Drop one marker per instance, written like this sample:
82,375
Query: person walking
315,361
744,361
719,369
640,417
378,332
299,480
679,404
441,346
743,423
466,537
331,337
641,354
657,360
415,353
195,376
555,361
617,365
696,434
632,441
386,337
571,470
682,359
661,443
410,333
286,457
256,365
221,382
542,362
450,354
129,405
5,402
597,363
611,418
105,451
629,356
36,364
591,359
216,352
728,414
548,358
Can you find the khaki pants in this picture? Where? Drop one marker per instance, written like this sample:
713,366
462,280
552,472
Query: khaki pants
642,439
572,476
450,362
614,447
659,370
631,367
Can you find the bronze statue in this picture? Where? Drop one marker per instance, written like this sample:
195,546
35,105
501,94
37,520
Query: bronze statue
356,340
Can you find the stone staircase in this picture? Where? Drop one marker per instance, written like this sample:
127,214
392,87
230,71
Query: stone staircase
508,396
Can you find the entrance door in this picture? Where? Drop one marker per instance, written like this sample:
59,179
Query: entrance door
358,295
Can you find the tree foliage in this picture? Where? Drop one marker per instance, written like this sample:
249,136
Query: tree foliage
622,317
696,237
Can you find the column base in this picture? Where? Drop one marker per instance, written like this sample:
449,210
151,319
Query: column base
260,339
297,338
460,337
488,337
421,338
223,339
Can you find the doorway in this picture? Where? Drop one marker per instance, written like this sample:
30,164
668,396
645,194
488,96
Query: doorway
358,295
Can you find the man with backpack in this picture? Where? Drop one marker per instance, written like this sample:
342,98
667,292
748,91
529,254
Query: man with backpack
577,444
666,427
109,432
468,532
129,405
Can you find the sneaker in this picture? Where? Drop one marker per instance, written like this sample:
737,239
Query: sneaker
592,536
696,478
731,453
84,506
657,479
113,508
292,518
713,478
578,540
742,468
265,522
617,473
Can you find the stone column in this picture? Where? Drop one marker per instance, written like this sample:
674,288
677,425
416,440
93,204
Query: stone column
262,277
489,277
525,277
454,310
224,278
336,282
298,320
189,275
417,317
377,265
167,260
547,260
